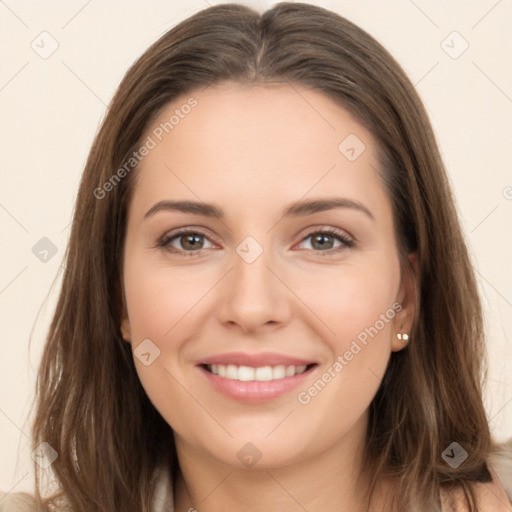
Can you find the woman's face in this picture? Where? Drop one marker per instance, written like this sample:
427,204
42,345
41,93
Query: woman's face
262,333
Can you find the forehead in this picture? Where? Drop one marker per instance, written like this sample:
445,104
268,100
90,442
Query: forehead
249,144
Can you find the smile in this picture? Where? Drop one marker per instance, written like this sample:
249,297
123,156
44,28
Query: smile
261,373
254,378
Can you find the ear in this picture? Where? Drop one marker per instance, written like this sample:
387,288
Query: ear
125,322
407,297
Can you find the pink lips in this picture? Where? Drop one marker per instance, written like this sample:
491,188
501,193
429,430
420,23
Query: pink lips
254,392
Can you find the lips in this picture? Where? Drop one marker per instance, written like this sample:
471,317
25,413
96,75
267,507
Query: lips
254,378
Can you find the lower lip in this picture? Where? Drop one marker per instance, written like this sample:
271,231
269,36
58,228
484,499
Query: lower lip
255,391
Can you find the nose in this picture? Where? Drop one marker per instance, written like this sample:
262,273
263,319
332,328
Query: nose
254,295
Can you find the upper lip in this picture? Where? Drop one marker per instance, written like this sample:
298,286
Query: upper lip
254,360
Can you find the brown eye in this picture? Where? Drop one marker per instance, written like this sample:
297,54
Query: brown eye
322,241
185,241
325,240
191,241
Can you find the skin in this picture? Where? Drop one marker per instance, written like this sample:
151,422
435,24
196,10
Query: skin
252,150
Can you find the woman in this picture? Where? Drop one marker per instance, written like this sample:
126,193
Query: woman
210,349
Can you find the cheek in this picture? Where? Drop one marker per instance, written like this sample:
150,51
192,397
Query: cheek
353,299
163,305
361,315
159,298
158,302
358,305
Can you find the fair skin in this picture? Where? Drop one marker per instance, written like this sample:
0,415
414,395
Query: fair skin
252,151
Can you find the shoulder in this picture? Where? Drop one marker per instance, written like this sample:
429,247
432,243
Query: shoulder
16,502
500,465
490,496
495,495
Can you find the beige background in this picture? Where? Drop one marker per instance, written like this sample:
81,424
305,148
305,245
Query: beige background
50,109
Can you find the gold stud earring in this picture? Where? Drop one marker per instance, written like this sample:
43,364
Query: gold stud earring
403,337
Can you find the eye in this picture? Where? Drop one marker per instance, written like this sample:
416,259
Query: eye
189,241
323,240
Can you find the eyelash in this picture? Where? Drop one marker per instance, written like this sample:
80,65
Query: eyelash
347,242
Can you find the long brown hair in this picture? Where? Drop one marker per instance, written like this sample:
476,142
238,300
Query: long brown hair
90,406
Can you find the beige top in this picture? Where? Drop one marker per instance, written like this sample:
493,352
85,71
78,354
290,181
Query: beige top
164,499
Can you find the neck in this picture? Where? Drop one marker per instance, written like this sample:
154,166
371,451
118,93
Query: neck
326,482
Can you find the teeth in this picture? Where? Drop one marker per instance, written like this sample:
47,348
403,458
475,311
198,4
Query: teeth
279,372
245,373
262,373
290,371
231,372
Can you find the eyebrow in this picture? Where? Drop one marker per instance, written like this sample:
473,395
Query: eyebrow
298,209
